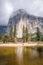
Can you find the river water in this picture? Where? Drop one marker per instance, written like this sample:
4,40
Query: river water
22,56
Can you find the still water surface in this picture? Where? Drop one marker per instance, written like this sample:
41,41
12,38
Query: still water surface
22,56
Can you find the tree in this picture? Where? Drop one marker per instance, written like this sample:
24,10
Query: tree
23,34
14,33
0,36
38,34
5,38
11,32
34,37
26,31
41,37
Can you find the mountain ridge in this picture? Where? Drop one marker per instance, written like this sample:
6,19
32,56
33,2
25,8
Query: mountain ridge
32,20
16,16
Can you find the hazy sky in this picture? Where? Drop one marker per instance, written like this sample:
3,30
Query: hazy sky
34,7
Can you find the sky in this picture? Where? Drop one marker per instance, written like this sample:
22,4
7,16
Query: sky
33,7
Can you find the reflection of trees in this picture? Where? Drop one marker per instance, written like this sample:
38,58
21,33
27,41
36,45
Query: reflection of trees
40,50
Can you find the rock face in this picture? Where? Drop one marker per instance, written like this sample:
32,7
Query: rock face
21,18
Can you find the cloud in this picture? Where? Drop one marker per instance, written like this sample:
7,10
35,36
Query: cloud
34,7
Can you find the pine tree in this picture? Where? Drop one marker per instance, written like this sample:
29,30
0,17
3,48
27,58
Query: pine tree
23,35
11,32
14,31
15,37
26,31
38,34
41,37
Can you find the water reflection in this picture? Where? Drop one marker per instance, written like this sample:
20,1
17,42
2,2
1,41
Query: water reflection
34,53
22,56
19,54
40,51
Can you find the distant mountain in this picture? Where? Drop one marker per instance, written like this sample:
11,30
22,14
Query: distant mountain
16,16
20,18
3,29
31,21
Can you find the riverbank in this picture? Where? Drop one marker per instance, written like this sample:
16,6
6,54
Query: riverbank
28,44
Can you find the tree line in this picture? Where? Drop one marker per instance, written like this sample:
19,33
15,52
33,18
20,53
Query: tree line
26,36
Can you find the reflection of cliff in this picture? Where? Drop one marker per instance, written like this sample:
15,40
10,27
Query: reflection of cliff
21,18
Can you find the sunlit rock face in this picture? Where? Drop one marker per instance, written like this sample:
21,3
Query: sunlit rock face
20,25
21,18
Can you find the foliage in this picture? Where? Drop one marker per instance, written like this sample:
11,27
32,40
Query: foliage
25,34
5,38
0,37
11,32
15,37
38,34
41,37
14,31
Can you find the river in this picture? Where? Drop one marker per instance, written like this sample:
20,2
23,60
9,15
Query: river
22,56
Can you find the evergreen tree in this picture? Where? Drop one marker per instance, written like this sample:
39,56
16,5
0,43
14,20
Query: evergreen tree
5,38
41,37
11,32
23,35
0,37
26,31
38,34
15,31
15,38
